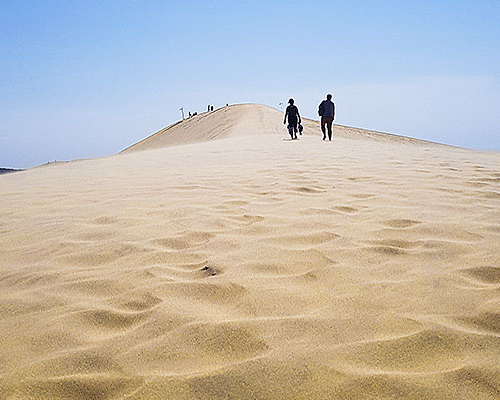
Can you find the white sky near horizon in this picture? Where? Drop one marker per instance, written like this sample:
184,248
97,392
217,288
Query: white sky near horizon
87,79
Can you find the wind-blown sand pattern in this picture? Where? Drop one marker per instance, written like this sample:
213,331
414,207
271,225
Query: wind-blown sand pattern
253,267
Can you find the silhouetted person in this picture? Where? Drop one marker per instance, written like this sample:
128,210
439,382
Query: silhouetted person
292,112
208,107
326,110
211,108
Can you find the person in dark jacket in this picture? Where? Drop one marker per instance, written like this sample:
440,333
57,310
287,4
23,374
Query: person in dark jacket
292,112
326,110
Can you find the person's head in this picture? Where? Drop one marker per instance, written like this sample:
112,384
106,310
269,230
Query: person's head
328,96
291,102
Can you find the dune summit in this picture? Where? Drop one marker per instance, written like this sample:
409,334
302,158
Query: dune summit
243,120
253,267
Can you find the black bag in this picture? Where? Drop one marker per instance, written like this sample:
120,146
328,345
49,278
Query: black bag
321,109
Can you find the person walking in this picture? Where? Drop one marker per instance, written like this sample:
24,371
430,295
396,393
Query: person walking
292,112
326,111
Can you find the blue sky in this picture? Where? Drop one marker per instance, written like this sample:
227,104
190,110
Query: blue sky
88,78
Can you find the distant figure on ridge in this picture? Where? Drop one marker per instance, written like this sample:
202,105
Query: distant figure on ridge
211,108
292,112
326,111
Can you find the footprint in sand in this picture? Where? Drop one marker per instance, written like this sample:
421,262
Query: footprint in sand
236,202
105,220
185,272
246,219
485,274
185,241
109,319
303,240
400,223
317,211
363,195
488,322
490,195
305,189
477,184
397,243
142,302
388,250
346,209
208,271
425,351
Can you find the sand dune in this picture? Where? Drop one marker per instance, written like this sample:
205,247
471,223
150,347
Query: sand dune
243,120
253,267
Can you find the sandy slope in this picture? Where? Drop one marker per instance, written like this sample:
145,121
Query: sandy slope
242,120
253,267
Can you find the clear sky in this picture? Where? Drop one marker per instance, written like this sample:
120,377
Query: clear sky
88,78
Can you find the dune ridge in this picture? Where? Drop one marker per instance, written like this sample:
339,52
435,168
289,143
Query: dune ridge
248,119
253,267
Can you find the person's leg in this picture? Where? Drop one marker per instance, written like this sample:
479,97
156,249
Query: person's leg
293,127
323,122
290,130
330,122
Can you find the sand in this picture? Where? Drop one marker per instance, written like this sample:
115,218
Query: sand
253,267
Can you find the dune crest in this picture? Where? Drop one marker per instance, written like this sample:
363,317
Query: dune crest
247,119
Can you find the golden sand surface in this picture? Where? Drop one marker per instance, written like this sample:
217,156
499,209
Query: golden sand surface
253,267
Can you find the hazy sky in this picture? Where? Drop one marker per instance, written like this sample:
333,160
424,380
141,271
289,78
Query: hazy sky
88,78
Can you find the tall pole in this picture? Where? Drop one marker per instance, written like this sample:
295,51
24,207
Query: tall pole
182,111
